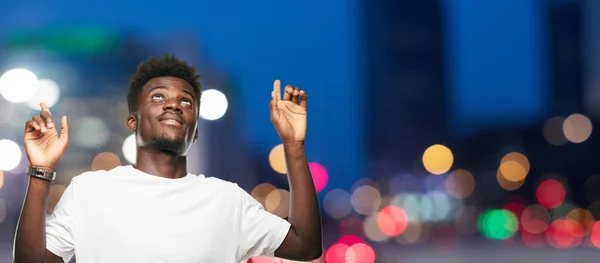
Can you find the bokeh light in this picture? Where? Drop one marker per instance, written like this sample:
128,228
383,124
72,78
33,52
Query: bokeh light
350,240
595,235
366,199
438,159
129,148
535,219
435,206
577,128
47,92
336,253
498,224
506,184
460,184
360,252
91,133
261,191
277,159
337,203
18,85
278,203
550,193
392,221
583,217
563,233
10,155
213,105
319,175
514,167
105,161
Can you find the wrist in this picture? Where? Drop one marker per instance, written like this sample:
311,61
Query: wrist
297,144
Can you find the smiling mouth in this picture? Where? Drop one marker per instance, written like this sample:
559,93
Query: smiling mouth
171,122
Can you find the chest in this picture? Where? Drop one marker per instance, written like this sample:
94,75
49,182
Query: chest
175,226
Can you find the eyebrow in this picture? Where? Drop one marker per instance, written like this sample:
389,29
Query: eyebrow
164,87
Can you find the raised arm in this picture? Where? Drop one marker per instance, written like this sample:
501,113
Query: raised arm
44,149
304,239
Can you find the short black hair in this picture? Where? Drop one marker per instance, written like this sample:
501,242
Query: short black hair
167,66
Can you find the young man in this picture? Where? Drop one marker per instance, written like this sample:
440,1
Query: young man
155,211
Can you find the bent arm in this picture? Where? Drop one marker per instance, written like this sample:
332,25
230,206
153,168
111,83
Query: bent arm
304,239
30,240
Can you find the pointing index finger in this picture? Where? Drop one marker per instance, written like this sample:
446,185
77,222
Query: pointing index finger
45,108
277,89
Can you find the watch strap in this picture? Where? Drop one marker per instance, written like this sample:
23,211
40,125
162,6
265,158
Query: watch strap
41,173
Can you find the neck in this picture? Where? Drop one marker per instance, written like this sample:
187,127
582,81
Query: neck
163,164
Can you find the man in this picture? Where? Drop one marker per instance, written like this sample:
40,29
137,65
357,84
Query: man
155,211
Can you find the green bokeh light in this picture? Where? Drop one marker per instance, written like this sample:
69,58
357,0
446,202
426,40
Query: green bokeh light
498,224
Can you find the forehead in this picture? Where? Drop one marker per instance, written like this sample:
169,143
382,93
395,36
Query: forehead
170,83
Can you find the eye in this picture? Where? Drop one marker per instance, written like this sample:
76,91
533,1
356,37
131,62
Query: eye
186,101
157,96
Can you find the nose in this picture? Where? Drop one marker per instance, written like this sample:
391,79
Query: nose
172,105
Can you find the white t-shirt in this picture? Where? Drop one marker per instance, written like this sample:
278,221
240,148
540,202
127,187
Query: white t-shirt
125,215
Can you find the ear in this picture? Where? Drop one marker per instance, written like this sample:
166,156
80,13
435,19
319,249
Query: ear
132,122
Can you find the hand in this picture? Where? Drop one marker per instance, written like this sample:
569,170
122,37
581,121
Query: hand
43,146
289,115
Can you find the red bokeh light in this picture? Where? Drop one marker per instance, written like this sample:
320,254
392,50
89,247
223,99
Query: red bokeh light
360,253
595,235
350,240
392,220
563,233
550,193
336,253
319,176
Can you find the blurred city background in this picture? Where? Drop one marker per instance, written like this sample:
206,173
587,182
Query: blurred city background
439,130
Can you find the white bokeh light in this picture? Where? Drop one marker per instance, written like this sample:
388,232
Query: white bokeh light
18,85
10,155
92,133
47,92
129,148
213,105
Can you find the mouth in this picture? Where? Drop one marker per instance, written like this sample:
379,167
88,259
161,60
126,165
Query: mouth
171,119
171,122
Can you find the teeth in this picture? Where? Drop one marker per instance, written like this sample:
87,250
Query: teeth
171,121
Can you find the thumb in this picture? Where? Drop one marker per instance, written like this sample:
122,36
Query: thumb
64,130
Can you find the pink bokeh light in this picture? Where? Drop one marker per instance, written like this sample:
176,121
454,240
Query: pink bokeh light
319,176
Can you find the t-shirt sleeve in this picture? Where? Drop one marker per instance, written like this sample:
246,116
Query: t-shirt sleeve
261,231
60,226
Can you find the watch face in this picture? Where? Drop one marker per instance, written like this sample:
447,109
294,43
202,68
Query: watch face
40,173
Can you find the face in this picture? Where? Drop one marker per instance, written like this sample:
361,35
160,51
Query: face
167,116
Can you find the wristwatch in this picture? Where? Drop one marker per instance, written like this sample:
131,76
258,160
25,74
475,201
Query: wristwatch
41,173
